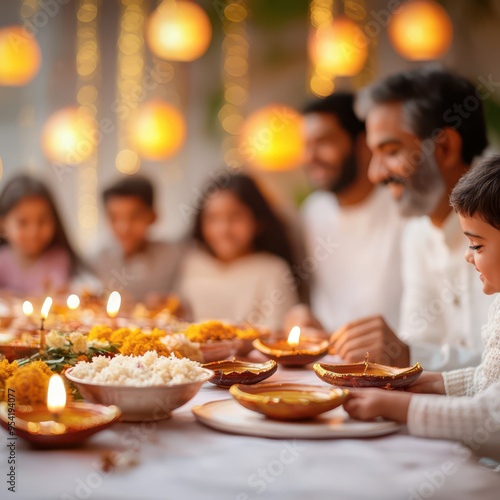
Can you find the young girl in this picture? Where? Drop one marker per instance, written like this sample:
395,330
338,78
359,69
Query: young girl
240,269
35,255
472,413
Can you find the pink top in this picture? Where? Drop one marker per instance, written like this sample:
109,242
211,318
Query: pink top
51,271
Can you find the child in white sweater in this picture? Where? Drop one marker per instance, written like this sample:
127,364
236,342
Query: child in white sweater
470,409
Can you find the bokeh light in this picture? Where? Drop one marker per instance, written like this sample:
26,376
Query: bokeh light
421,30
179,31
20,56
339,49
157,130
272,138
69,136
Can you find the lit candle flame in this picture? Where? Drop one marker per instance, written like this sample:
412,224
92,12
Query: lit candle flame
27,308
294,336
73,302
47,304
56,395
114,303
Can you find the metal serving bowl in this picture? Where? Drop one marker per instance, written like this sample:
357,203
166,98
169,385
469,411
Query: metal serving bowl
155,402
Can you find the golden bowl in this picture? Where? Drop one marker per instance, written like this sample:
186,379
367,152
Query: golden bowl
375,375
36,424
288,401
305,353
229,372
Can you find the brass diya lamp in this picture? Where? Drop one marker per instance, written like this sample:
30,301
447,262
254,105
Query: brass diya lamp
57,424
367,374
295,351
229,372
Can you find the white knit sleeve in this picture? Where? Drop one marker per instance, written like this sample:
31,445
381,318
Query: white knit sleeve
459,382
460,418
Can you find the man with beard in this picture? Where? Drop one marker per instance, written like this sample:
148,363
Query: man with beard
424,128
352,228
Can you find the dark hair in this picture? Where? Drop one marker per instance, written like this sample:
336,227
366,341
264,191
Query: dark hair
272,236
24,186
135,185
478,192
430,97
341,105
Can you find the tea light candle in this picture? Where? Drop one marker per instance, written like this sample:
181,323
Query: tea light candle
113,306
293,351
73,302
56,396
47,304
27,308
294,337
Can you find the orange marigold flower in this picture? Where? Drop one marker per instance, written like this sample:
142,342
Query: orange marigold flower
210,330
6,370
30,383
101,333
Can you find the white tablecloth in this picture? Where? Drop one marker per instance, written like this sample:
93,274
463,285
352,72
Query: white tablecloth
181,459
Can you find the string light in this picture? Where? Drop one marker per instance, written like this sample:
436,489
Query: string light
321,83
235,78
87,68
130,74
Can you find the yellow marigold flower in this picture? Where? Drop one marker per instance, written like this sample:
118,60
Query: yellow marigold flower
101,333
6,370
119,336
210,330
138,344
30,383
247,333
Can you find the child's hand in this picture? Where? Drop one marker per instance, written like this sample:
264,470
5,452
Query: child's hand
428,383
368,404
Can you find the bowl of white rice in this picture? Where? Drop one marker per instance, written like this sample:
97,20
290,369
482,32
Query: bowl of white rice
147,387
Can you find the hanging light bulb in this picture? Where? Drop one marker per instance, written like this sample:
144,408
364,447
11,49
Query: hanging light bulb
339,49
69,136
272,138
20,56
157,130
179,31
421,30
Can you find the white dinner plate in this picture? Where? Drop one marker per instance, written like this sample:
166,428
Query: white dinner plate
229,416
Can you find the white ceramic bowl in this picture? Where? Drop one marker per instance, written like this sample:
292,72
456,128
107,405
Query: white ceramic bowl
137,404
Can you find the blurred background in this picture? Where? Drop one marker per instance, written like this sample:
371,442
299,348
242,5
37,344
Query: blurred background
91,90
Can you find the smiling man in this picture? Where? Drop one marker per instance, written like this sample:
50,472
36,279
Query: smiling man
359,218
424,128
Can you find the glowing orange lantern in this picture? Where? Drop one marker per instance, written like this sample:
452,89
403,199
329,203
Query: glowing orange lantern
69,136
272,138
20,56
339,49
179,31
157,130
421,30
